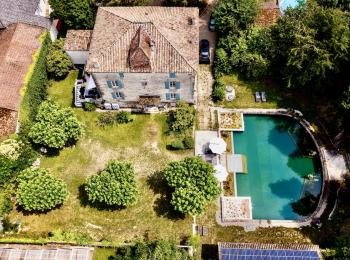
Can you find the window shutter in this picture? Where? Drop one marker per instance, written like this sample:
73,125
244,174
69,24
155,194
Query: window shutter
178,84
122,95
119,83
166,84
109,83
114,96
172,75
177,96
121,74
167,96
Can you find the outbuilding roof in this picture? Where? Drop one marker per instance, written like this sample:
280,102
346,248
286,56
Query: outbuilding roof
18,43
77,40
169,40
21,11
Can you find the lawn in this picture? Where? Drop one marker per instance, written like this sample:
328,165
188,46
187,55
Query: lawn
245,91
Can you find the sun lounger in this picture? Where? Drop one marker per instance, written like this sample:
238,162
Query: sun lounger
263,96
257,97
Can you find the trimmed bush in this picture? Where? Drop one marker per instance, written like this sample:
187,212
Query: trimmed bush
90,107
218,90
188,142
177,145
183,118
114,186
122,117
38,190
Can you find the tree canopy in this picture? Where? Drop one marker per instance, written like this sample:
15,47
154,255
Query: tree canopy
183,118
114,186
194,184
58,63
38,190
76,14
55,127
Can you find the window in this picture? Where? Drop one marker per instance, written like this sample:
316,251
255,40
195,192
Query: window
119,94
172,84
115,84
173,96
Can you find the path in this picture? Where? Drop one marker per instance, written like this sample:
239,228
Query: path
205,77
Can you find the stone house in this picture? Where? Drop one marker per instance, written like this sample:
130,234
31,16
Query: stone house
140,56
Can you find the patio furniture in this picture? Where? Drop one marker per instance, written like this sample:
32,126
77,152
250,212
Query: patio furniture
115,106
257,97
263,96
220,172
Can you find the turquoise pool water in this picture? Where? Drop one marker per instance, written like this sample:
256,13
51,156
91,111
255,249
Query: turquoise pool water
284,4
276,170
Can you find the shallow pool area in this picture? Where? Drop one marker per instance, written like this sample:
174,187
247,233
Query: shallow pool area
277,174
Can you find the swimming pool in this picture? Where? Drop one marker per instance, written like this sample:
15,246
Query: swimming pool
277,173
284,4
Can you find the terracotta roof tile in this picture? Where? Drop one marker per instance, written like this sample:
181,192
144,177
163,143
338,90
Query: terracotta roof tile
268,14
17,45
77,40
174,40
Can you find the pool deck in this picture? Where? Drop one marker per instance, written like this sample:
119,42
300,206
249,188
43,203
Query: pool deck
333,168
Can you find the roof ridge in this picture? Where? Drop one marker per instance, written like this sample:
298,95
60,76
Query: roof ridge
105,8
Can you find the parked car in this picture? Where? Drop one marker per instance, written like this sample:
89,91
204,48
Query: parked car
212,24
204,55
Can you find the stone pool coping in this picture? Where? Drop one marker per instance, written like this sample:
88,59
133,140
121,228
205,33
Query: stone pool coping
322,203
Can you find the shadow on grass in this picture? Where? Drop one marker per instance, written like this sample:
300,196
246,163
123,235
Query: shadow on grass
36,212
84,202
162,206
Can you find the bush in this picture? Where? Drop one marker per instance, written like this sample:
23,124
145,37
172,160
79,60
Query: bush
122,117
107,118
222,64
5,203
114,186
55,127
188,142
89,106
38,190
183,118
177,145
58,63
218,90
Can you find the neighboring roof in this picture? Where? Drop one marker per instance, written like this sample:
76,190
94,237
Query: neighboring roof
18,43
8,119
268,14
171,34
229,251
77,253
77,40
22,11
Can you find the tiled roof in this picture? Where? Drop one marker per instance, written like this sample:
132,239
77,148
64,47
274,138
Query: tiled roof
8,119
77,40
268,14
173,33
18,43
23,11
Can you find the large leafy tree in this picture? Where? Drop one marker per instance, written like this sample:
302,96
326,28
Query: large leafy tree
55,127
58,63
342,4
183,118
114,186
38,190
233,15
76,14
194,184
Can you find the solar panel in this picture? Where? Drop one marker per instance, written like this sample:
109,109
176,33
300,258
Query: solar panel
267,254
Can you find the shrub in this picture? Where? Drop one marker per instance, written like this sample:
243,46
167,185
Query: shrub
55,127
89,106
183,118
38,190
58,63
177,145
218,90
107,118
188,142
114,186
10,149
194,184
222,64
122,117
5,203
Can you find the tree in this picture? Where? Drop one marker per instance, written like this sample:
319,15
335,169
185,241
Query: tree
233,15
342,4
183,118
345,100
114,186
121,2
187,3
55,127
58,63
218,90
222,64
194,184
76,14
38,190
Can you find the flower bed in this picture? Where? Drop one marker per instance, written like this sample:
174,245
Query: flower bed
230,120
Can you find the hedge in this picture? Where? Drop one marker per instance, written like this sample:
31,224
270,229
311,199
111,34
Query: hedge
36,86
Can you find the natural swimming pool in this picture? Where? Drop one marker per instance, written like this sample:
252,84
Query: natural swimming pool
278,172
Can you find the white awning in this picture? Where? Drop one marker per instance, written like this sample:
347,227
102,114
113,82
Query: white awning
217,145
220,172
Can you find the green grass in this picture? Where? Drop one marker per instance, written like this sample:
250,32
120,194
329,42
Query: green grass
61,91
245,91
103,253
